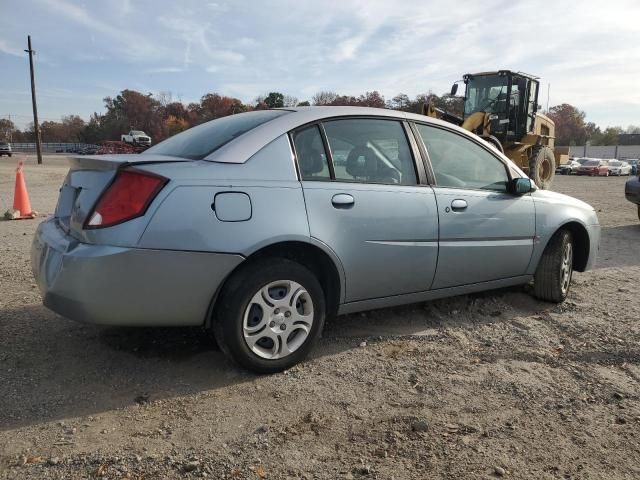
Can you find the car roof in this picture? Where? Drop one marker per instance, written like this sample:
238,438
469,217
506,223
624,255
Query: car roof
248,144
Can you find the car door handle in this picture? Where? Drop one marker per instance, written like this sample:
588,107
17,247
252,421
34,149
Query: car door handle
342,200
458,205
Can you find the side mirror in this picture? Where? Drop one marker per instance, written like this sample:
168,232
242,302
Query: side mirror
521,186
454,89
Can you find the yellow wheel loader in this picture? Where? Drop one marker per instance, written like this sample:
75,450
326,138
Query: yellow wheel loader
502,108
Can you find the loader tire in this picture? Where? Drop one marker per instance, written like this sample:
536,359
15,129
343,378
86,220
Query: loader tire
542,166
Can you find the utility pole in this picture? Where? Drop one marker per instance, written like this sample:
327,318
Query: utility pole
548,92
36,125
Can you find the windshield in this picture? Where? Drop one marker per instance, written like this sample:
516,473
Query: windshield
486,93
591,163
615,163
198,142
137,132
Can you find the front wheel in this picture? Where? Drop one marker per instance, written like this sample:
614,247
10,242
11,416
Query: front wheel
553,275
542,166
269,315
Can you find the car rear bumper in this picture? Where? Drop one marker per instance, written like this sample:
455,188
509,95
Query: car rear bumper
125,286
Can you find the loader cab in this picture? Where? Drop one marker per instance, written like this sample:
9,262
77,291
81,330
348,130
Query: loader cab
511,98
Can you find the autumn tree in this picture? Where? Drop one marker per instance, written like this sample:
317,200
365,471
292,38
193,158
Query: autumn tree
175,125
213,105
570,124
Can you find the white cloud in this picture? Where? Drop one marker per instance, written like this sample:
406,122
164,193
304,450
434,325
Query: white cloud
5,47
133,46
165,70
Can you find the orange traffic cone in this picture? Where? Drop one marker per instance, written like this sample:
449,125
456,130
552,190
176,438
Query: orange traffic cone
21,203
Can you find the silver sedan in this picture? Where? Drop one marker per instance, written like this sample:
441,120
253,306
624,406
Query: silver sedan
260,225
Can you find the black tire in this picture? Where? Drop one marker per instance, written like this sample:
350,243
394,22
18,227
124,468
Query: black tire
638,212
542,166
235,298
552,280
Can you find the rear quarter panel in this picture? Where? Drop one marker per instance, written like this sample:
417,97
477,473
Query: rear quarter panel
185,219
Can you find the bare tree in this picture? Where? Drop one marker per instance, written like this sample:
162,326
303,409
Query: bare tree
290,101
164,98
324,98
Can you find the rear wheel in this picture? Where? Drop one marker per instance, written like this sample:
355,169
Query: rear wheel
269,315
542,166
638,212
553,275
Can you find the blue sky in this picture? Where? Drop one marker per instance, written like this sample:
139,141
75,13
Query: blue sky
589,51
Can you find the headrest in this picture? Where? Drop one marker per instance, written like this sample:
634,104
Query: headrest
311,161
361,162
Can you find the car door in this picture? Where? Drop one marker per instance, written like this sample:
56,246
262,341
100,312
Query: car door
486,233
365,201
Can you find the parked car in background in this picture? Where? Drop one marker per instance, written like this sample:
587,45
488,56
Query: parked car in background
246,225
136,137
619,167
568,168
5,149
577,162
594,167
634,165
632,191
88,150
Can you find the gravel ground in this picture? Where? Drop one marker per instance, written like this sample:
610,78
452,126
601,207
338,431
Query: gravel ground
479,386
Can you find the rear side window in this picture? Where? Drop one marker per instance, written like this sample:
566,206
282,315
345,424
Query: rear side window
460,163
198,142
312,159
371,151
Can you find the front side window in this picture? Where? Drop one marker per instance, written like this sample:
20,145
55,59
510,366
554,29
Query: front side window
371,151
486,93
312,160
460,163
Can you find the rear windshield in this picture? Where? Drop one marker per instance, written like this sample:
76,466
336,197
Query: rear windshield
615,164
198,142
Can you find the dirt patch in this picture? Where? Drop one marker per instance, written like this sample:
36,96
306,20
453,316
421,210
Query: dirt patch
480,386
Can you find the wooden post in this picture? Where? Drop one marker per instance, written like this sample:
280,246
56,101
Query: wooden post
36,125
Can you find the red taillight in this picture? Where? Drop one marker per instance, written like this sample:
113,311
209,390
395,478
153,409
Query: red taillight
128,197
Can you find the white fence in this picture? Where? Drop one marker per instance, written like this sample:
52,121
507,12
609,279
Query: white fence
50,147
621,152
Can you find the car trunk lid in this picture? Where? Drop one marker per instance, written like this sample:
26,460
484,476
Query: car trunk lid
88,177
